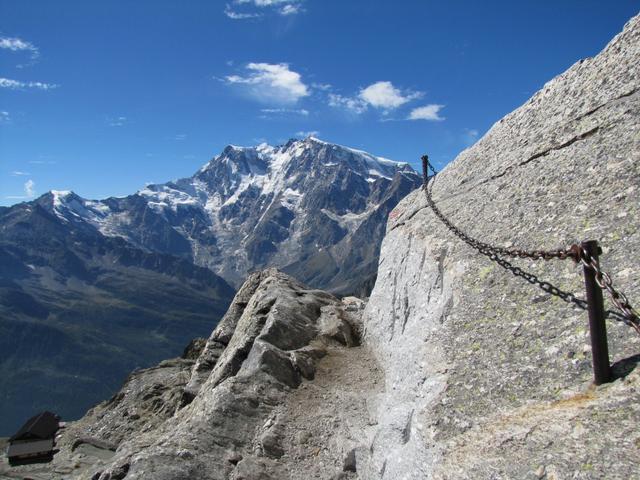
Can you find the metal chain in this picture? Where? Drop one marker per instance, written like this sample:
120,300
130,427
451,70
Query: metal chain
485,248
619,299
575,252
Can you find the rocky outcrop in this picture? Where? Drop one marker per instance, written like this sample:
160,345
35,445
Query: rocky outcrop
487,374
269,342
257,402
147,399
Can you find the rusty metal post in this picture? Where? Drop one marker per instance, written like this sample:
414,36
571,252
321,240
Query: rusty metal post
597,326
425,169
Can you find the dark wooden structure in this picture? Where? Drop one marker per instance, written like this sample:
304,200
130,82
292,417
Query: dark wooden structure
34,441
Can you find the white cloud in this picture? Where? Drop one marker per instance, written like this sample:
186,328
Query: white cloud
17,173
428,112
264,3
29,188
18,85
232,14
284,111
271,83
116,121
290,10
355,105
4,117
180,137
311,133
385,95
18,45
281,7
380,95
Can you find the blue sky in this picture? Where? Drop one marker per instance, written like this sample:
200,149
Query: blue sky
101,97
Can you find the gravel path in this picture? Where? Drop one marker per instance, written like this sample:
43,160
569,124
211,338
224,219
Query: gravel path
327,418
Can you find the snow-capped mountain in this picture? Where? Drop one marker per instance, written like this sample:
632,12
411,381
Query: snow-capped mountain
311,208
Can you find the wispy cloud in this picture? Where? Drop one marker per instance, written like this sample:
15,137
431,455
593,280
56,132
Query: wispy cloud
17,173
180,137
29,191
247,9
234,15
5,117
324,87
16,44
282,112
271,83
116,121
42,162
264,3
29,188
304,134
352,104
428,112
470,136
18,85
290,10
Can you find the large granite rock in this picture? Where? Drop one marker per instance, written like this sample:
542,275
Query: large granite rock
487,374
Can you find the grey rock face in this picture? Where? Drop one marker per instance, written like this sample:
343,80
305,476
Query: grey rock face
220,337
487,375
249,401
147,399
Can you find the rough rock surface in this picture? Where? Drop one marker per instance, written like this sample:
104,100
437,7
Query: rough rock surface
488,375
147,398
285,396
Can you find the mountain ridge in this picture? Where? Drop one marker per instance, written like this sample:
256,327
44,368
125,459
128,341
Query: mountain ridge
253,207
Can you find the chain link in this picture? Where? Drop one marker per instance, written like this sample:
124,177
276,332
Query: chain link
619,299
575,252
482,247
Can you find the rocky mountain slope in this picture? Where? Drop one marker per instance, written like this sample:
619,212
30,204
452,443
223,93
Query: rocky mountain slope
79,311
459,367
280,348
